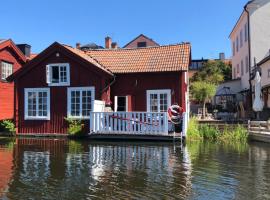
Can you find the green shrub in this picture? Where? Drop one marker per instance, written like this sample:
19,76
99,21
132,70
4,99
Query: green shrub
75,127
209,132
193,132
8,126
238,134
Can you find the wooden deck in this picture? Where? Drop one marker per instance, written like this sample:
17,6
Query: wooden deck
259,131
127,136
132,126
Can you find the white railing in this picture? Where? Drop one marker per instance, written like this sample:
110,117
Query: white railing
129,123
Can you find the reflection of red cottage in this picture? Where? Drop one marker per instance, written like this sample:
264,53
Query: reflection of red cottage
6,158
11,59
63,82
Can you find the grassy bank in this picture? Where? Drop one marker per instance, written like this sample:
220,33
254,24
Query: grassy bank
198,131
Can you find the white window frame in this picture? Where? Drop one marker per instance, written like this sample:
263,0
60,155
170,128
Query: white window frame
70,89
158,92
49,74
116,103
246,32
26,116
6,69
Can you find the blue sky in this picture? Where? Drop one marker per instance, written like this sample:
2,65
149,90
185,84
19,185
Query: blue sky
206,24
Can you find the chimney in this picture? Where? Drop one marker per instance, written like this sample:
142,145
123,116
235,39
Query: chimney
78,45
25,49
221,56
108,42
114,45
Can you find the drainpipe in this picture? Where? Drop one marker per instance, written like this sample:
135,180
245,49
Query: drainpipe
109,85
249,52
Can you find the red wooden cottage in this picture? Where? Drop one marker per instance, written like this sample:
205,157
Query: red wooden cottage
11,59
63,82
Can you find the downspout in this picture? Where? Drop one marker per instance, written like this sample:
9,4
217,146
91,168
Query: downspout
249,57
109,85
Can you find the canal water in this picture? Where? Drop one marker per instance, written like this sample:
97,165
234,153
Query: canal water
67,169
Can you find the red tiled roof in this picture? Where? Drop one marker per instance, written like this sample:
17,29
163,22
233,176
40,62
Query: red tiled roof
32,56
83,55
149,59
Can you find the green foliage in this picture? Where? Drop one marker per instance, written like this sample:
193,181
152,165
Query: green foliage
202,90
193,132
213,72
8,126
75,127
207,132
238,134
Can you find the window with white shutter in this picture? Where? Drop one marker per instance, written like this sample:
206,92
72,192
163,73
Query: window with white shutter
58,74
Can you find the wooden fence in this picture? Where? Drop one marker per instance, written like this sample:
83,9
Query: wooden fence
129,123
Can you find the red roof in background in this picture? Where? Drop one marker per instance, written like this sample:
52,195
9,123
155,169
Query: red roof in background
148,59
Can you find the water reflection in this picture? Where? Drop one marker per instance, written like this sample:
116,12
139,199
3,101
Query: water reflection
66,169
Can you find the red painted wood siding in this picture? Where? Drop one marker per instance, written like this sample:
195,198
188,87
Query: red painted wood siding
137,84
80,76
134,44
7,89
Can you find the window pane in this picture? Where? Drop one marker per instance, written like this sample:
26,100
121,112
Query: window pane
32,104
80,103
63,74
55,74
37,104
159,101
153,103
75,103
163,102
86,103
7,70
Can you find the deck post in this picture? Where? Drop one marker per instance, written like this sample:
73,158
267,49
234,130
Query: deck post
166,123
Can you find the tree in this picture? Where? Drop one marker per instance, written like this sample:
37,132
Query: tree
203,91
213,72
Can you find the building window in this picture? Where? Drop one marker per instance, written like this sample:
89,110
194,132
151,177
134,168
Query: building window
237,44
37,103
246,32
268,73
141,44
80,102
234,73
6,70
237,71
58,74
242,67
158,100
234,48
241,38
247,64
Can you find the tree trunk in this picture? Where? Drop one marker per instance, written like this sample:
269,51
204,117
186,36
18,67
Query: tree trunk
203,116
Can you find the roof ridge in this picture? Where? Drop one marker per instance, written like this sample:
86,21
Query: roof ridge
141,48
